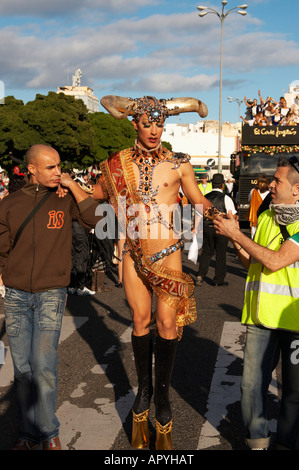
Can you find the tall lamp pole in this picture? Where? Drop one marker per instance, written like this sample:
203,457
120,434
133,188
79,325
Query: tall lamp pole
239,102
203,12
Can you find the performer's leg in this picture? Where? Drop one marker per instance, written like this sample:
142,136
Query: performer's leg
164,360
165,351
142,349
139,299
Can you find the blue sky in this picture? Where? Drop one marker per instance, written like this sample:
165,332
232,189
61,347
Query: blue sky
155,47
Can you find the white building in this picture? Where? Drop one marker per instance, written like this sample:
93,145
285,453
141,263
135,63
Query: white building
79,92
200,141
293,93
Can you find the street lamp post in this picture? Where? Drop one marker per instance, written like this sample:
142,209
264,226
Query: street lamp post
203,12
239,102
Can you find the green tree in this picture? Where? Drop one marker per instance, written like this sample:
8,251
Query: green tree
56,119
62,122
15,135
81,138
110,135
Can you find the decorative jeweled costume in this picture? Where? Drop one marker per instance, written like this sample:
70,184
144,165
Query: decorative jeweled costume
138,212
173,287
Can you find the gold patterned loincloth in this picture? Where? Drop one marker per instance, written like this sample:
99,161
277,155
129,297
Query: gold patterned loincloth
174,287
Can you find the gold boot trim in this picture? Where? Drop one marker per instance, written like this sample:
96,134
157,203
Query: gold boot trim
140,432
164,436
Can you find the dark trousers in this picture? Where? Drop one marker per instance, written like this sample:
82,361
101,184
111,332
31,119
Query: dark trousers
213,243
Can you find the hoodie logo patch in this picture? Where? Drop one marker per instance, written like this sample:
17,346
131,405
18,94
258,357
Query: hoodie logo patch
56,220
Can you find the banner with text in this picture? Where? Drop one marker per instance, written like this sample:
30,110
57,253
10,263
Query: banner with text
270,135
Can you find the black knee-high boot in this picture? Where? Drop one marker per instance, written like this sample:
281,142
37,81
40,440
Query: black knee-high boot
164,361
142,348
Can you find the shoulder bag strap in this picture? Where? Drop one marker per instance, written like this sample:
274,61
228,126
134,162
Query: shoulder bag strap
34,211
284,232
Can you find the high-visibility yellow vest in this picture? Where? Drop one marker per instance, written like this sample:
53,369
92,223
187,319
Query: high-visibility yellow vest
272,298
207,189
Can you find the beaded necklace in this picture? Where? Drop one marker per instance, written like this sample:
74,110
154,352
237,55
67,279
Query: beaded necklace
146,162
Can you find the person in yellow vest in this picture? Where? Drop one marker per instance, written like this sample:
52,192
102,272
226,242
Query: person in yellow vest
271,309
205,186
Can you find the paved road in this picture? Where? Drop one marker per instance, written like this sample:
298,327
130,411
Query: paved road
97,380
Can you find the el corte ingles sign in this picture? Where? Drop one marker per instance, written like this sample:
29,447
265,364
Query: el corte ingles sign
270,135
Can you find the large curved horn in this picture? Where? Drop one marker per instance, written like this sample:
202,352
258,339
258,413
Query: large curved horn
121,107
186,105
118,106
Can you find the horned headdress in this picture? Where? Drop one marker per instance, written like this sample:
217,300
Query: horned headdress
156,110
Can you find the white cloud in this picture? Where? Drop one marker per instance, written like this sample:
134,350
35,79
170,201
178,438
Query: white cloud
38,8
172,83
160,53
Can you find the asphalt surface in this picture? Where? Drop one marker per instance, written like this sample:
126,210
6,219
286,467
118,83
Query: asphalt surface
97,379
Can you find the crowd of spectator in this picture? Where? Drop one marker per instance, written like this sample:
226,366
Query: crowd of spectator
270,112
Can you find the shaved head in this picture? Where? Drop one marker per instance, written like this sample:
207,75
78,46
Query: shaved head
43,163
36,151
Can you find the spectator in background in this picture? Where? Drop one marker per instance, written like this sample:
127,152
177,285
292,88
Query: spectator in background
212,242
205,186
250,122
256,197
229,185
253,106
16,181
2,176
261,120
277,117
3,192
282,105
295,110
288,120
269,111
270,101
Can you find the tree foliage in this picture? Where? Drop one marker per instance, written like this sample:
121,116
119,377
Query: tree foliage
110,135
81,138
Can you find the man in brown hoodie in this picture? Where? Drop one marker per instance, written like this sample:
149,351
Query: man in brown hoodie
35,266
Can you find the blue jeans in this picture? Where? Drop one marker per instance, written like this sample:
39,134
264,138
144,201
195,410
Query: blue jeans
262,350
33,325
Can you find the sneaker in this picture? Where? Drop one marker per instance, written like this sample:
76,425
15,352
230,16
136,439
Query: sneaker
199,280
85,291
23,444
52,444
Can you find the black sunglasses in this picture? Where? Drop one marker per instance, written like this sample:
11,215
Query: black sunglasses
294,162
